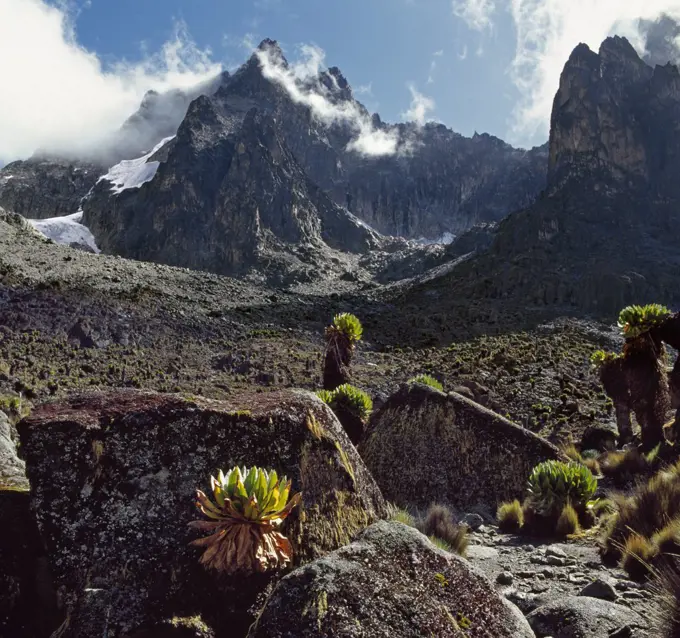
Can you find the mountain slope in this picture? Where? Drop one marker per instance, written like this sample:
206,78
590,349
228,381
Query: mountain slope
437,181
606,231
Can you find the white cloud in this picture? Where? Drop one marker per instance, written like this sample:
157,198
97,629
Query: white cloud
433,68
298,81
58,96
421,105
548,31
477,14
433,65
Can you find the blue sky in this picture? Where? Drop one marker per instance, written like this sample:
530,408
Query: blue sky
80,67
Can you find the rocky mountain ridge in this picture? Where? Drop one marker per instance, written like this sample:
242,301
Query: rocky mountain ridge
605,232
437,181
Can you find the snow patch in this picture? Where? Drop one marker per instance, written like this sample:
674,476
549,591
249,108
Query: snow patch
135,172
446,238
66,230
361,222
6,177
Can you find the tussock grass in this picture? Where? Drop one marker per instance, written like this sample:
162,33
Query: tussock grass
510,517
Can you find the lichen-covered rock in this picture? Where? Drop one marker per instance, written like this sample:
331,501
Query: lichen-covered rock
391,582
113,481
583,617
424,446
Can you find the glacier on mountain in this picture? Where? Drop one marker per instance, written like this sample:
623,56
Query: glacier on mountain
66,230
135,172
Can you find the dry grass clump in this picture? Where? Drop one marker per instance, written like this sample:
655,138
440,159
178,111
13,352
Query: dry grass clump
666,618
567,523
438,524
510,517
400,515
623,466
667,540
645,530
638,553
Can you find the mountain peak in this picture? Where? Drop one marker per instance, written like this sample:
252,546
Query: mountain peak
618,47
268,43
273,48
339,77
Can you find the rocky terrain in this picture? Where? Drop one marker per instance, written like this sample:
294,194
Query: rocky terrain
125,383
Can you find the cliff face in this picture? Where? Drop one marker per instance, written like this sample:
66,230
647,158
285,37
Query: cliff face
616,115
443,182
449,184
39,189
606,231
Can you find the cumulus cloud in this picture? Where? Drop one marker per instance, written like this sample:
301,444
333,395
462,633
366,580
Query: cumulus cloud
547,32
60,97
299,80
477,14
662,40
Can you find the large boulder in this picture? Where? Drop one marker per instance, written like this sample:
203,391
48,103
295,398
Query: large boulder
27,603
424,446
391,582
113,481
583,617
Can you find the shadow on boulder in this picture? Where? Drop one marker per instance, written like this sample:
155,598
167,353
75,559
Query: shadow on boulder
113,481
424,446
390,582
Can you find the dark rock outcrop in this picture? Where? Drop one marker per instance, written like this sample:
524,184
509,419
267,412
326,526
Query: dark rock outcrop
113,481
27,601
43,188
476,239
158,116
391,582
424,446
